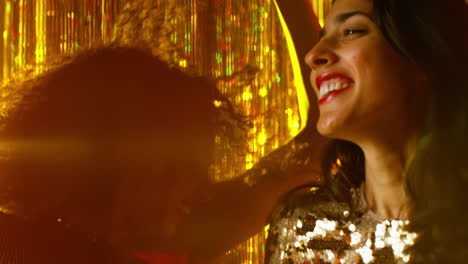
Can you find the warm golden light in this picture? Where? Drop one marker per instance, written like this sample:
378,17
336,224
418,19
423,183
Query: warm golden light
41,48
338,162
251,56
321,8
303,100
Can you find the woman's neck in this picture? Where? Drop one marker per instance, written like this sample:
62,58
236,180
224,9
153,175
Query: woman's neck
384,188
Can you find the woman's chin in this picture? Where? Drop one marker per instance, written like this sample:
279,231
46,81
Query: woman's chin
336,124
327,127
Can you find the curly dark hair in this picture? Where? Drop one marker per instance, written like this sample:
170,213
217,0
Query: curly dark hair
80,114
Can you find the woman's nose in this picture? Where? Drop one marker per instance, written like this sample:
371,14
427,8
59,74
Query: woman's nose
319,56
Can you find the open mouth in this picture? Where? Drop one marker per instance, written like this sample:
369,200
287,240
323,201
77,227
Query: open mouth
331,84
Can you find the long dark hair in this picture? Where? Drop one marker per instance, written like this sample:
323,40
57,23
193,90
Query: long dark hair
432,35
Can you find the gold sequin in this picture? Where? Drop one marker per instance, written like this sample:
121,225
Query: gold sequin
311,233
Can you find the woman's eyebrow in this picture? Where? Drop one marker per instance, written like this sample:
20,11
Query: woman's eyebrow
341,18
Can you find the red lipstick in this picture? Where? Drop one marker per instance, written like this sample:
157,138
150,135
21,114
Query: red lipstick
326,76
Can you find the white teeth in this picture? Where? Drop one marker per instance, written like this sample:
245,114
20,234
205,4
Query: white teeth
335,87
332,85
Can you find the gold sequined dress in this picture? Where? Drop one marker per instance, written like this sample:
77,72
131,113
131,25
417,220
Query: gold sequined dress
313,228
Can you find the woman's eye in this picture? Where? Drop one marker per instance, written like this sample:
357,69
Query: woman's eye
351,32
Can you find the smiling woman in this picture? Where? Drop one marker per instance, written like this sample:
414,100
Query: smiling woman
391,89
356,72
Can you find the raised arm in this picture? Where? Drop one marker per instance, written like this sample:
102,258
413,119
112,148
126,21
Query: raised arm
304,29
238,209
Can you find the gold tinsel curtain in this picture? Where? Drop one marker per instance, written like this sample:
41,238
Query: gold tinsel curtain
241,44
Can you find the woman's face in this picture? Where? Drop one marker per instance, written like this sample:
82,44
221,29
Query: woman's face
363,85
